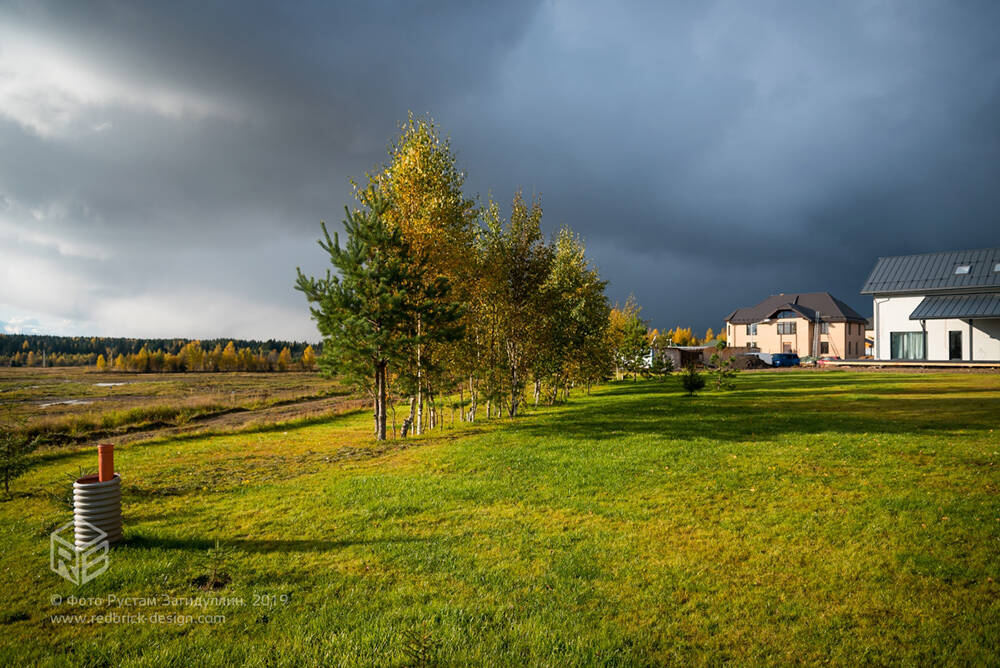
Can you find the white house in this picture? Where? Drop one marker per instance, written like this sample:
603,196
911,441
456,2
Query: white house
937,306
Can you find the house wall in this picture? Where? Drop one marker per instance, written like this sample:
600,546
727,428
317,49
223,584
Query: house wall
892,314
769,341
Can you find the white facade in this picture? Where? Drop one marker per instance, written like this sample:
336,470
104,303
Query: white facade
979,339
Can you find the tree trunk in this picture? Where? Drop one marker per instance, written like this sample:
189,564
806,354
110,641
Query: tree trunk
408,422
420,409
538,391
472,399
420,376
461,404
380,425
513,392
375,394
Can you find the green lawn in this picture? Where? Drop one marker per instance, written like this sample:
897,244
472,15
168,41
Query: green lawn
804,517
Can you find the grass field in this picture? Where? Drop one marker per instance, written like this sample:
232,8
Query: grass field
804,517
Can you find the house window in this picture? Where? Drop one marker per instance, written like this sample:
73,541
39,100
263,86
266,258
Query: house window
996,268
963,269
751,344
824,348
906,345
787,313
786,328
824,328
752,329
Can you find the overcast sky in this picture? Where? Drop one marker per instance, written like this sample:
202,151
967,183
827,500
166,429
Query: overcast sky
163,169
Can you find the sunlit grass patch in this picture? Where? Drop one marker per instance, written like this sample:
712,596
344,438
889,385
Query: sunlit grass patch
803,517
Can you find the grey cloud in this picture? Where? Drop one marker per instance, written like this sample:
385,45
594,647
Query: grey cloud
710,154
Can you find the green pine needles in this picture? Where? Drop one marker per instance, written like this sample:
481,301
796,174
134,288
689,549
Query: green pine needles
379,306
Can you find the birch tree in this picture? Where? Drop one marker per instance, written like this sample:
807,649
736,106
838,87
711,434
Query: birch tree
424,184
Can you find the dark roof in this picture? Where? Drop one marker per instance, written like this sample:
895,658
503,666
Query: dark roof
806,304
983,305
934,271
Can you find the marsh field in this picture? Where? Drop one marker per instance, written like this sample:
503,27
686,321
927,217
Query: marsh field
66,405
804,517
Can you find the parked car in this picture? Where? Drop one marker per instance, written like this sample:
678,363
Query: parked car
784,359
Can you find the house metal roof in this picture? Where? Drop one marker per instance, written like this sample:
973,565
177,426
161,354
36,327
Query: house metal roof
806,304
934,272
937,307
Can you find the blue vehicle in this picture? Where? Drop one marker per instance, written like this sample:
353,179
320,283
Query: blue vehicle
784,359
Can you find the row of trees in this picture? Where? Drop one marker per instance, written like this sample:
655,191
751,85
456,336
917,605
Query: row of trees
192,357
639,349
46,350
44,359
432,295
683,336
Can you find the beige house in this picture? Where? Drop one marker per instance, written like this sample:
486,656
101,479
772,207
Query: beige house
811,323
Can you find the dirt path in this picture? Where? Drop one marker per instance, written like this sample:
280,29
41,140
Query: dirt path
241,418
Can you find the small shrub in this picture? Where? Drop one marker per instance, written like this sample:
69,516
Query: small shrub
218,559
691,380
418,646
662,366
723,373
15,453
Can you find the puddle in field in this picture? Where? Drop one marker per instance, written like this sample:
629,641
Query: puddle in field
67,402
109,384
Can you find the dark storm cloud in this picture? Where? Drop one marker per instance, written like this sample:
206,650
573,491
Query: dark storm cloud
164,168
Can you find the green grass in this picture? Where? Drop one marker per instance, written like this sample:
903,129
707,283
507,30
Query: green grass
804,517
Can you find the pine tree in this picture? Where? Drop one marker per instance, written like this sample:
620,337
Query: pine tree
424,185
691,380
368,310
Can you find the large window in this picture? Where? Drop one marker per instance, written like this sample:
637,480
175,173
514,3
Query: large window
824,328
752,329
787,313
786,328
906,345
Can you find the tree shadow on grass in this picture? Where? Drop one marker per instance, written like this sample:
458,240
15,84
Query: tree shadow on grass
830,383
758,414
263,546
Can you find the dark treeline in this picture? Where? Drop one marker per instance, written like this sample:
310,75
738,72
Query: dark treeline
134,354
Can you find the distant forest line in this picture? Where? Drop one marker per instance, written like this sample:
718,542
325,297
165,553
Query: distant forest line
138,354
